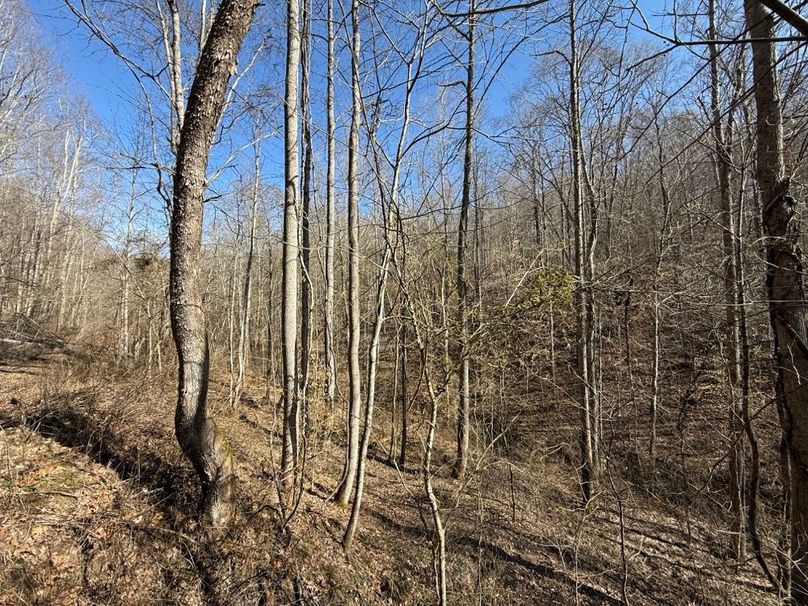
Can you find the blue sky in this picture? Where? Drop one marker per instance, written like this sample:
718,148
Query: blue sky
92,70
100,77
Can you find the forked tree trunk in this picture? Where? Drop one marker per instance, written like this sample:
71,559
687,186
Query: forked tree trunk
373,356
439,527
196,432
389,201
784,288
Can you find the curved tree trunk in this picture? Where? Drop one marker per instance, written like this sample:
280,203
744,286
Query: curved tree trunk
196,433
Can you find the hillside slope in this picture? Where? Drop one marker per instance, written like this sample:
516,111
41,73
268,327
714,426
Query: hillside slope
97,507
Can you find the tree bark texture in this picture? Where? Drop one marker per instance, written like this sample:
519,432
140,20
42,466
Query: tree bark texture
784,288
291,413
196,432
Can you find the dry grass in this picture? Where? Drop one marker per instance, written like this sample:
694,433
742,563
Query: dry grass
97,507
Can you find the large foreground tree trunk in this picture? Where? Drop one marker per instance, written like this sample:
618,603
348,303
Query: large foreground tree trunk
291,414
196,433
784,288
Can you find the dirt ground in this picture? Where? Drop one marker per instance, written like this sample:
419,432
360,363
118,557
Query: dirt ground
97,506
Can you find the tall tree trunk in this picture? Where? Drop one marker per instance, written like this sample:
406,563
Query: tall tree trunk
196,432
652,442
388,202
464,403
246,294
291,414
354,311
753,482
305,233
439,527
661,246
400,264
784,288
330,358
270,319
232,305
403,390
173,50
373,356
590,469
729,243
126,273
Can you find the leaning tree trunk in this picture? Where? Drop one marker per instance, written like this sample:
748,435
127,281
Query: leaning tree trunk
389,201
783,287
196,433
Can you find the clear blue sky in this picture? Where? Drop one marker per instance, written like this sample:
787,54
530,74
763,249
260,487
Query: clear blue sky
100,77
91,68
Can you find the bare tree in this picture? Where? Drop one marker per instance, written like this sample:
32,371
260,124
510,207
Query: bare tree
328,311
783,286
246,293
729,243
464,404
590,469
291,412
354,311
389,198
306,187
196,432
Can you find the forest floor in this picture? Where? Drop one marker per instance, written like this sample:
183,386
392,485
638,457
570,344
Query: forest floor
97,506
